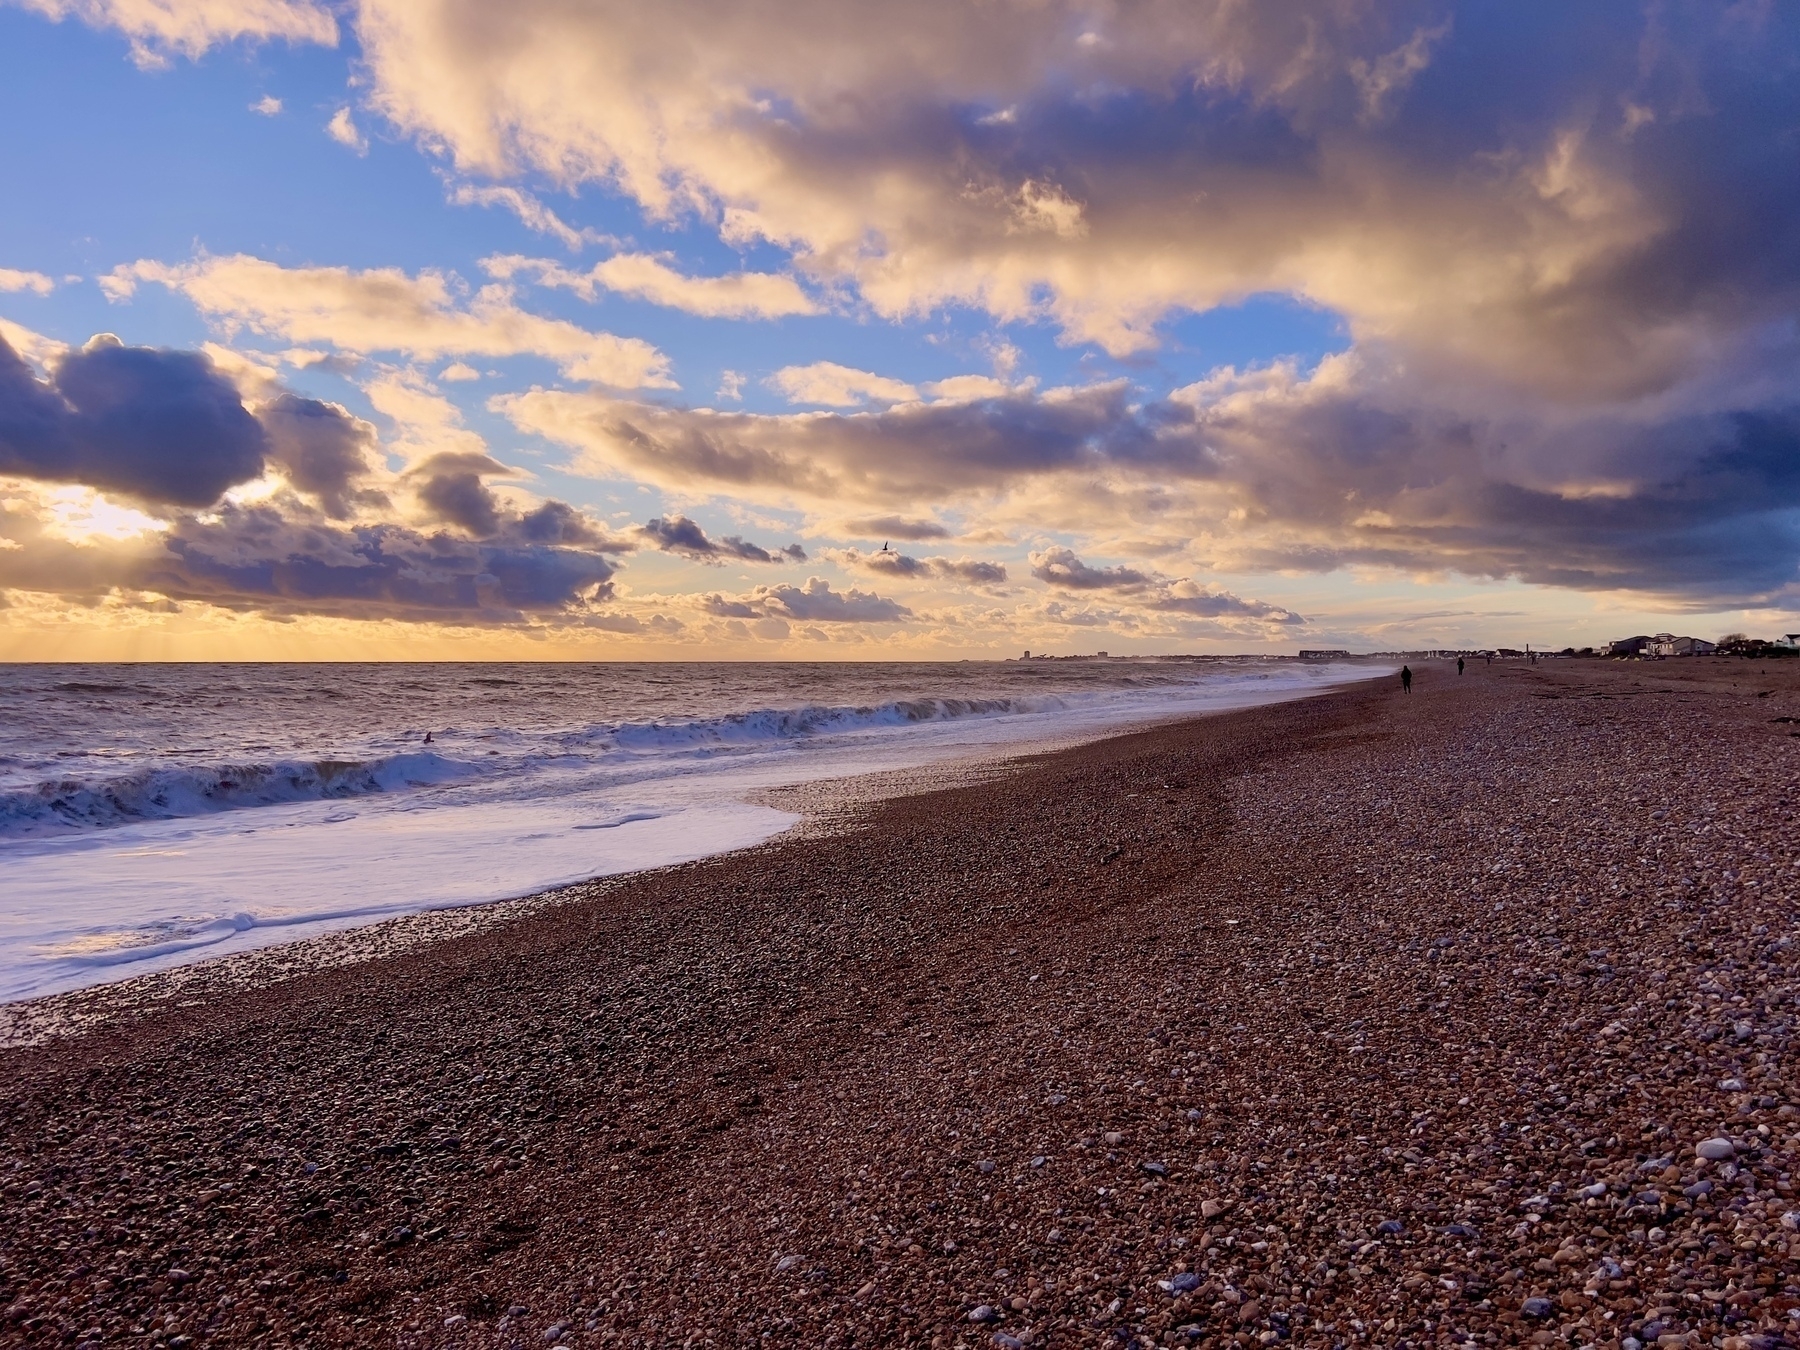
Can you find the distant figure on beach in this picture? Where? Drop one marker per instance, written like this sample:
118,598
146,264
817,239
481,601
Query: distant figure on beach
1406,678
1459,665
428,738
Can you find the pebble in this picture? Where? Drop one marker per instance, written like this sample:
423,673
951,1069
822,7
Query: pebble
691,1079
1716,1150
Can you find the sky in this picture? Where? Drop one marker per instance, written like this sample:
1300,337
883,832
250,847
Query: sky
782,329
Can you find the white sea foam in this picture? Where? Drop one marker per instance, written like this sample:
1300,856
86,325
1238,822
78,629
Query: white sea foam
155,815
56,805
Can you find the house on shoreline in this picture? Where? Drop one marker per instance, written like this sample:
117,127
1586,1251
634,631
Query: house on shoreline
1661,645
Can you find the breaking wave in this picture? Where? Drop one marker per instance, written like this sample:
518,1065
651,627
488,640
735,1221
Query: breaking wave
167,793
780,724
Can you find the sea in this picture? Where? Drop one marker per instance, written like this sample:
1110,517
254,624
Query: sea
156,814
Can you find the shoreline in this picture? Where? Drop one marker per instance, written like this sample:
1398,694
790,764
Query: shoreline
822,805
1318,1021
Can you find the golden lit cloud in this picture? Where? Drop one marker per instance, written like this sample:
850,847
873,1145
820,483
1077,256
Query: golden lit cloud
741,295
159,29
425,317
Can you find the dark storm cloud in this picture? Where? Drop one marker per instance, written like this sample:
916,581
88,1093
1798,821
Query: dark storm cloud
678,534
162,426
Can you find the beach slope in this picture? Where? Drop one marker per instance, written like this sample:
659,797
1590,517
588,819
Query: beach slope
1374,1018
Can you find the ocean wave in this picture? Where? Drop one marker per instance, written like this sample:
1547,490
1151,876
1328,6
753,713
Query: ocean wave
766,725
167,793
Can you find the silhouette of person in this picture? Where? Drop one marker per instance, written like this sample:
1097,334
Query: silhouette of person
1406,678
1459,665
428,738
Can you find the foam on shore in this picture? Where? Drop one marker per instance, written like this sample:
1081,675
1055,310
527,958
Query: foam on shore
159,868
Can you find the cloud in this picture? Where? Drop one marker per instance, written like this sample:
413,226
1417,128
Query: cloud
1061,568
450,486
1381,80
267,106
891,563
324,451
423,316
342,129
895,527
678,534
456,372
815,602
1363,158
838,386
742,295
159,29
139,475
13,280
1058,567
532,213
916,452
1363,461
37,348
1568,266
968,388
1191,598
163,426
276,558
731,386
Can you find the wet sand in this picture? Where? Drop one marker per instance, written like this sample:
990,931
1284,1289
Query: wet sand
1367,1019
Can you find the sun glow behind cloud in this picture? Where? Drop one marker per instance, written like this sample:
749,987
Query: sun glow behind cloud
81,515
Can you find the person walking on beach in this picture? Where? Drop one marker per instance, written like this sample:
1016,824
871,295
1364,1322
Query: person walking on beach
1406,678
1459,665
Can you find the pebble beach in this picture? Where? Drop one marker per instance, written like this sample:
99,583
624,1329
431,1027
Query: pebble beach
1458,1017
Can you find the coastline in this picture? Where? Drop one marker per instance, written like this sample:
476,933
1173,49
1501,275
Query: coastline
542,814
1312,1020
823,806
